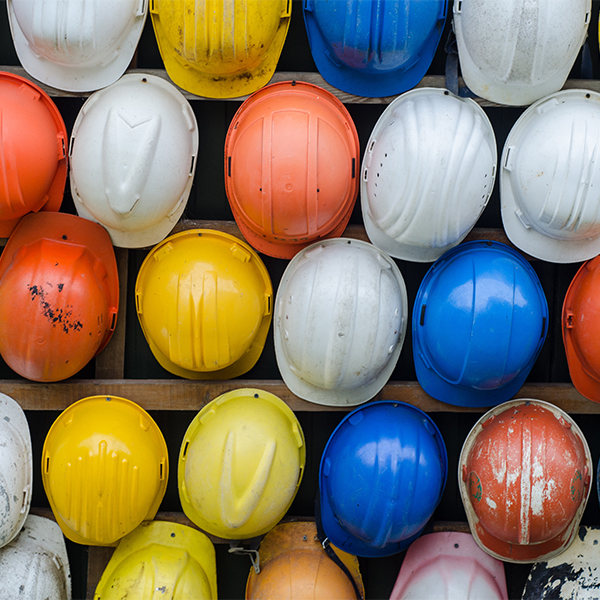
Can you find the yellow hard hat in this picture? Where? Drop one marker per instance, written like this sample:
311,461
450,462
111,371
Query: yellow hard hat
240,464
104,469
203,299
160,560
294,565
222,49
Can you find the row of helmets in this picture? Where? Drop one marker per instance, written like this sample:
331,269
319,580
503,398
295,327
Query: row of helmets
512,54
291,167
525,475
205,303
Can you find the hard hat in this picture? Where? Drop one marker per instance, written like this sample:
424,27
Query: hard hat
525,474
382,474
291,160
160,560
417,205
341,316
59,295
33,151
294,565
133,158
480,319
203,299
104,469
220,49
550,184
516,52
449,566
574,574
240,464
16,469
374,48
76,46
581,327
35,565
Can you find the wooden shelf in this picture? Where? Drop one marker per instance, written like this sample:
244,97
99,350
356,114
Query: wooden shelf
435,81
179,395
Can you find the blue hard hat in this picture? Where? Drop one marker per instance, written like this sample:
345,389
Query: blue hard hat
382,474
374,47
480,319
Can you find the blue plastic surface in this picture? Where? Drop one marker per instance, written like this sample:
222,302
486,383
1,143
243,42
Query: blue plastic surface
374,47
382,475
479,321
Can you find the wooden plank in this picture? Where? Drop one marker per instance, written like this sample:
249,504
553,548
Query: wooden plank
98,557
356,232
110,363
435,81
179,394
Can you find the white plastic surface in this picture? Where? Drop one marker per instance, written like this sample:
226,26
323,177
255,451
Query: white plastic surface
79,46
515,52
16,469
427,174
340,319
35,565
133,157
550,178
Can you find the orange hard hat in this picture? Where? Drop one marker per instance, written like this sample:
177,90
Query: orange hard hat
59,295
33,151
581,329
525,474
294,565
291,164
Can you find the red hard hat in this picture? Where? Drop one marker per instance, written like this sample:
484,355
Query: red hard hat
525,476
59,295
291,164
581,329
33,151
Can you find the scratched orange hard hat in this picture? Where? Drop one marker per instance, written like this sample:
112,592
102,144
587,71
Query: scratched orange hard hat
581,329
291,165
33,151
525,474
240,464
59,295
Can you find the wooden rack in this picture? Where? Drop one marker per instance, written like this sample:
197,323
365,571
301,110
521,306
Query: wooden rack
183,395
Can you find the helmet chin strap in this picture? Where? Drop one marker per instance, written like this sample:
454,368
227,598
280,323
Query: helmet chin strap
325,543
251,551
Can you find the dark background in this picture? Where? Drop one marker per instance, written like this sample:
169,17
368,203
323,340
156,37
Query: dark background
208,201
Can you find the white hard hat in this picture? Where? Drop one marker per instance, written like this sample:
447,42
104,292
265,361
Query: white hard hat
35,565
16,469
427,174
550,178
515,52
133,157
340,319
76,46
